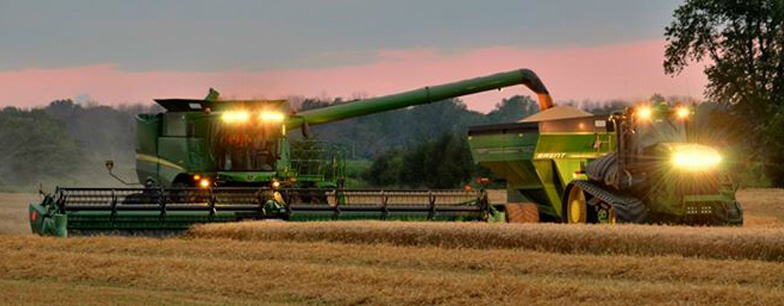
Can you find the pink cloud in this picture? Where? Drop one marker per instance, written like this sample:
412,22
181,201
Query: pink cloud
626,71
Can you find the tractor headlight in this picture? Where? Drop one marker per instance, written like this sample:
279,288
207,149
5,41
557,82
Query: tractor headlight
235,117
695,157
682,112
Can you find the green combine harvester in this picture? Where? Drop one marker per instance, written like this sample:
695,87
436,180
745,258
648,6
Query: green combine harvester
214,160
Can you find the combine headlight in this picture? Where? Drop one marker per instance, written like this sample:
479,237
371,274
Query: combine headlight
205,183
271,117
235,117
695,158
644,113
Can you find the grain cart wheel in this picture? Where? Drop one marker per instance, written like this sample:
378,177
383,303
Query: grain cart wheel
576,210
521,213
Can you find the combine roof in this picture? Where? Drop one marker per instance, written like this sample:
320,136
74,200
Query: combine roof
557,113
197,105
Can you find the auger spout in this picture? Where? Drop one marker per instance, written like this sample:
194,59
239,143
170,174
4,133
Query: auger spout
425,95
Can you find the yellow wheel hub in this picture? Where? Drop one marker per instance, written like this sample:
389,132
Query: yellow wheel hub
611,218
577,210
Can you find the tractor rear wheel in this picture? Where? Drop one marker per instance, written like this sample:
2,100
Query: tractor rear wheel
576,210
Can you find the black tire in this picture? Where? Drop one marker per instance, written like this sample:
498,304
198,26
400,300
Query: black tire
631,210
598,169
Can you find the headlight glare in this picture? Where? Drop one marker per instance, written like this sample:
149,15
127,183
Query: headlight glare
235,117
271,117
695,158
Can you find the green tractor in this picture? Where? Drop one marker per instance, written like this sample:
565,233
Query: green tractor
639,166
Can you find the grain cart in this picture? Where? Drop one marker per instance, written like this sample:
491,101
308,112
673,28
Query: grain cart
213,160
638,166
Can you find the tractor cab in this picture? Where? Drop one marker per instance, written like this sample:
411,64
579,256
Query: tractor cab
660,123
658,135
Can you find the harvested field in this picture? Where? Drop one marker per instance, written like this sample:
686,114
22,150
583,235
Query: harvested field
224,271
13,212
375,263
645,240
762,207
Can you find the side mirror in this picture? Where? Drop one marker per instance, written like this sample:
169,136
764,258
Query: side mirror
109,166
41,189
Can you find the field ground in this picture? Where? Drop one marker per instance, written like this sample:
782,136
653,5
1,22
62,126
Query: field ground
399,264
13,212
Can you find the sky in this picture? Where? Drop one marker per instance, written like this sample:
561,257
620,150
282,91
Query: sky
117,52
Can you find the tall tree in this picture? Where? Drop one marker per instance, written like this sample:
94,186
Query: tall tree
513,109
743,43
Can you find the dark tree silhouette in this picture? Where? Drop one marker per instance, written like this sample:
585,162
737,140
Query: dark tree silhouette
743,43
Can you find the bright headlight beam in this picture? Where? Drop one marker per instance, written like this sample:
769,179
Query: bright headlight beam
271,117
682,112
205,183
235,117
695,158
644,113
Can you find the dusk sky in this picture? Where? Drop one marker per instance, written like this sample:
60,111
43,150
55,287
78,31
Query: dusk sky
118,52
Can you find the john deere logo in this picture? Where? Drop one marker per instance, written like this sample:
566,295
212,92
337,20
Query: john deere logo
250,176
550,155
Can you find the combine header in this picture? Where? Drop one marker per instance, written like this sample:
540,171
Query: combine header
162,211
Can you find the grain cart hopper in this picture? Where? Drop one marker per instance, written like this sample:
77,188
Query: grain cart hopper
638,166
213,160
